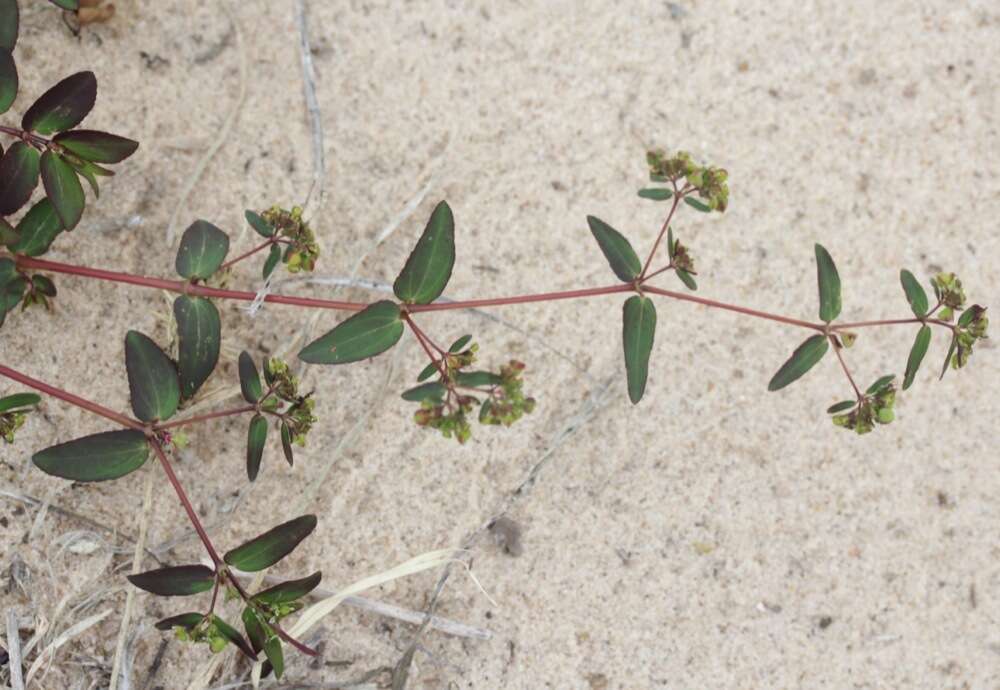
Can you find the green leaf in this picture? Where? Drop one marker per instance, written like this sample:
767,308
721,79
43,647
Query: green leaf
272,649
69,5
95,458
8,236
18,401
968,315
97,147
269,548
43,285
829,285
476,379
802,360
38,229
429,266
433,391
656,193
90,172
203,249
915,294
287,592
8,269
231,634
256,438
638,331
947,359
459,344
286,444
63,188
255,627
199,331
184,620
8,24
152,379
484,411
697,205
686,278
427,372
262,227
273,257
18,177
63,106
917,352
368,333
249,379
8,80
617,250
10,294
842,406
176,581
880,383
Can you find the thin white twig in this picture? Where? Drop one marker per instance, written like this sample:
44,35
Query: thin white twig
140,544
220,137
312,105
381,608
14,651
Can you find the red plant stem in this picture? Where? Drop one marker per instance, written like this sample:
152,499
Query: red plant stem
843,365
248,254
182,286
185,287
66,396
204,417
889,322
732,307
520,299
663,230
419,335
659,271
28,137
185,502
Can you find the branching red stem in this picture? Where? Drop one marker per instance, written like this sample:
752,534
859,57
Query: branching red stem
247,255
204,417
66,396
733,307
843,365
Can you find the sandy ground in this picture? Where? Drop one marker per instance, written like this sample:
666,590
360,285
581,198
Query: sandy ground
715,536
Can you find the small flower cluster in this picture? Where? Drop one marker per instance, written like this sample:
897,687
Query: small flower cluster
14,411
972,326
10,422
875,407
445,408
681,258
507,403
299,415
948,290
302,250
710,182
450,418
33,290
211,630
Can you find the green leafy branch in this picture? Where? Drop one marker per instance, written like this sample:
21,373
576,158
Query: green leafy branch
48,148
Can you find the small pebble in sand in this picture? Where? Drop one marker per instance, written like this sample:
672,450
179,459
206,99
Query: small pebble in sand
507,534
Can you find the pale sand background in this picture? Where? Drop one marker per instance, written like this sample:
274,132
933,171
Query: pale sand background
716,536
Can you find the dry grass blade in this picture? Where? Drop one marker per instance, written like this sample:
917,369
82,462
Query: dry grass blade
49,652
317,612
14,651
140,544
